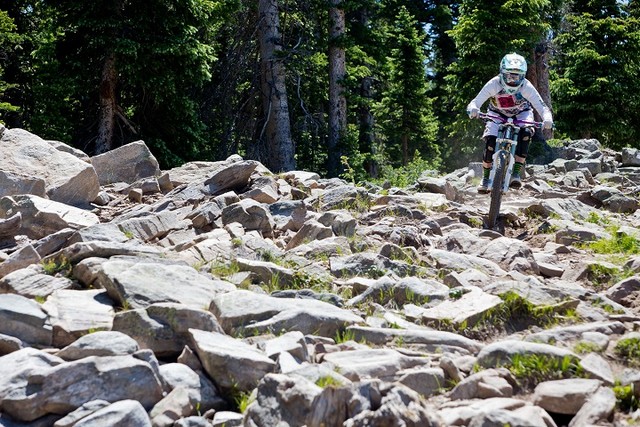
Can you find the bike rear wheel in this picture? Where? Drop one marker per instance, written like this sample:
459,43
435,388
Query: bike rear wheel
496,188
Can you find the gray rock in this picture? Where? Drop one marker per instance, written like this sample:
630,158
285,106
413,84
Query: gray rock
8,226
175,405
124,413
425,381
311,230
501,352
67,179
597,409
164,327
251,214
138,284
101,343
233,364
20,259
9,344
18,366
24,318
32,282
41,217
468,309
83,411
273,406
432,340
200,388
630,156
485,384
263,189
64,388
371,363
152,226
501,417
75,313
247,312
139,160
565,396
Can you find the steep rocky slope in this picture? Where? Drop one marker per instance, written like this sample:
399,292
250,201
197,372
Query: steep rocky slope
219,293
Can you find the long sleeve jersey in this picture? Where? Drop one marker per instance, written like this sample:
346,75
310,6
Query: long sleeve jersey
511,104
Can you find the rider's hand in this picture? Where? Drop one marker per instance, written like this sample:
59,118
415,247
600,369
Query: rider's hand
473,112
547,124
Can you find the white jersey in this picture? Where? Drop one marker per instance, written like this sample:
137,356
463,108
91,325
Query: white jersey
511,105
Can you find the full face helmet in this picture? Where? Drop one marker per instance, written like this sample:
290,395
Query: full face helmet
513,68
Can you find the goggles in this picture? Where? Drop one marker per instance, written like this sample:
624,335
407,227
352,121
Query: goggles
512,79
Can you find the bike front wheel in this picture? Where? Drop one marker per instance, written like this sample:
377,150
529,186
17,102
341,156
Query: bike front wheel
496,189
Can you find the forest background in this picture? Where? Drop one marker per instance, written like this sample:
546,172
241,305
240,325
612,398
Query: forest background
363,89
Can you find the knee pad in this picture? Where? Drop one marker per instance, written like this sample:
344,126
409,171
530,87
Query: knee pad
489,147
523,141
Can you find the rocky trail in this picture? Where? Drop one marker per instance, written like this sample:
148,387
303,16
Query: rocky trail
222,294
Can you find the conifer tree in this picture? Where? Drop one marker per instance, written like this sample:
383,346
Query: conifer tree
127,71
596,71
405,114
8,39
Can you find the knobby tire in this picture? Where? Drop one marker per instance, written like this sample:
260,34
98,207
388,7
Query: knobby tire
496,189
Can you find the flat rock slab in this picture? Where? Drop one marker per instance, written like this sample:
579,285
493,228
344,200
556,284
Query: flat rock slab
248,311
138,284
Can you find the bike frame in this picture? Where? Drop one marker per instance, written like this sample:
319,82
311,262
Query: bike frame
503,159
506,141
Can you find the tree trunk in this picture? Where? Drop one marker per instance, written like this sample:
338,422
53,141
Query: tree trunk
539,77
337,100
277,129
405,148
108,106
366,138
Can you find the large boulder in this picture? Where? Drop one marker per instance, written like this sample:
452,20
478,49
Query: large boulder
128,163
26,160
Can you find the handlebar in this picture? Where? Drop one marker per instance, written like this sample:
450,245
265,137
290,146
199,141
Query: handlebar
509,120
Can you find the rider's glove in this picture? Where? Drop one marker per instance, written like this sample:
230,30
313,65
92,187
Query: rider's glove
473,112
547,124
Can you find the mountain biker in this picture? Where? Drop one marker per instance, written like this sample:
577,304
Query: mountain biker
510,94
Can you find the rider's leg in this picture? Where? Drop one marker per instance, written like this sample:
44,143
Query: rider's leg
521,155
487,162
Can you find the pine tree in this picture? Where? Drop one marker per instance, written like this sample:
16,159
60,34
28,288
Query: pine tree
596,73
405,114
8,39
126,71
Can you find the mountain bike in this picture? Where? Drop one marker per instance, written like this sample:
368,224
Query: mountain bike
503,159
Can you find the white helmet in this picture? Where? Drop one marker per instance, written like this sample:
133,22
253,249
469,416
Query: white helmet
513,68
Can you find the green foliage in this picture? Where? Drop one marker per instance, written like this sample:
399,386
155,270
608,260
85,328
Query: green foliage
328,381
532,369
404,176
619,243
404,113
595,76
626,398
584,347
58,265
344,336
224,268
8,39
603,276
159,65
629,350
241,399
188,75
516,311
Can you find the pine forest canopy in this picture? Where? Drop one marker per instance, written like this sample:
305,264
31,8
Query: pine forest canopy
364,89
